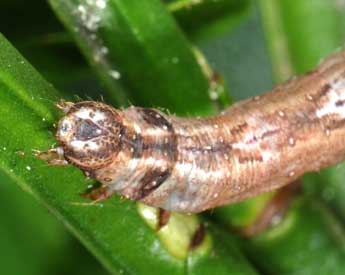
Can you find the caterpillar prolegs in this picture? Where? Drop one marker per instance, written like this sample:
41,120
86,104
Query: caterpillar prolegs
193,164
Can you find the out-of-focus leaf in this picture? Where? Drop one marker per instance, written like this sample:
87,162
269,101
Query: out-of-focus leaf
219,262
20,25
329,186
140,44
22,235
241,57
42,39
31,234
207,19
316,242
305,38
243,213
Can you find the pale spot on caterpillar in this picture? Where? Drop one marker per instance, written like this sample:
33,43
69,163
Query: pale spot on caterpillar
310,98
281,113
80,145
335,94
183,164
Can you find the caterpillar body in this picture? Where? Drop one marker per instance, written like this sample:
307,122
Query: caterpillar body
193,164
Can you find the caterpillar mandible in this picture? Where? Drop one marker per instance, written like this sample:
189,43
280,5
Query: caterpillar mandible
193,164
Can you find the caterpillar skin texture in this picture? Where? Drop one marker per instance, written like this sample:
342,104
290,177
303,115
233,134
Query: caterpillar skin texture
191,164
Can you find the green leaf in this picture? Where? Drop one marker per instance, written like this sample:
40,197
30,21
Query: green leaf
241,57
304,39
244,213
160,65
22,235
314,236
31,234
42,39
206,19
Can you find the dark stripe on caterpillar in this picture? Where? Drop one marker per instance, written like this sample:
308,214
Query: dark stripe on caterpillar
340,103
154,118
163,145
151,180
323,91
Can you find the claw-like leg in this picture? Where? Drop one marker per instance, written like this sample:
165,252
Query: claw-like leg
53,157
64,106
98,194
274,210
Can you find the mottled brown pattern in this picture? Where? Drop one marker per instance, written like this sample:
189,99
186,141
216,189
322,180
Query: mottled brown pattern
104,134
248,156
86,129
151,180
323,91
191,164
154,118
239,129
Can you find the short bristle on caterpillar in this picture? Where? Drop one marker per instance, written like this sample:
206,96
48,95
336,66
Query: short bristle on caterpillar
191,164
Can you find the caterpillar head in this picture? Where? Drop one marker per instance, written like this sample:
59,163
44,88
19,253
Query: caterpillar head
89,133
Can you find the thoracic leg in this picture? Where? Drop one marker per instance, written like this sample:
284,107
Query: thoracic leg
53,157
64,106
99,194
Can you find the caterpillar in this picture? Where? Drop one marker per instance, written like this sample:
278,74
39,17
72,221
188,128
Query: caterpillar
193,164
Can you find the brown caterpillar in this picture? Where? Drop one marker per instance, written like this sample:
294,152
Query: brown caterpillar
192,164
